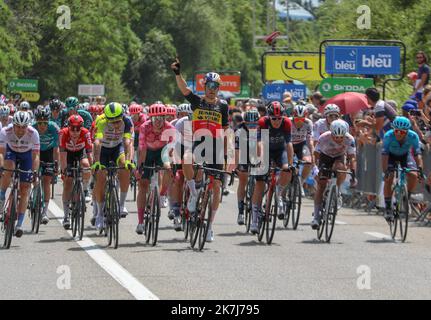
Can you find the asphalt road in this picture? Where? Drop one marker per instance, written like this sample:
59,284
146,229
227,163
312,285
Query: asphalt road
359,263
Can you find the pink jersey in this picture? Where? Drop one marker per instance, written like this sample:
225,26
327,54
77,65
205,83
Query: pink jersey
148,139
142,119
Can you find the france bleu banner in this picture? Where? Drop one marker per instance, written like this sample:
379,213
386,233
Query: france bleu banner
274,92
364,60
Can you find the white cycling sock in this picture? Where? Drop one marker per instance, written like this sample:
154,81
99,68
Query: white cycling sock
192,186
123,196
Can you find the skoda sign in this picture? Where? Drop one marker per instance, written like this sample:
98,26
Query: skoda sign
332,86
366,60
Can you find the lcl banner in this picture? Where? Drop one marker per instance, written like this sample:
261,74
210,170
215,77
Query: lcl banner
291,67
229,82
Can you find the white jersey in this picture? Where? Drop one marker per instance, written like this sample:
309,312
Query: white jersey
321,126
30,140
329,147
300,135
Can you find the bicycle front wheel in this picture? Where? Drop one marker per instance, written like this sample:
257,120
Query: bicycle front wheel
331,212
248,204
205,220
271,211
195,222
113,218
155,217
403,214
295,202
9,220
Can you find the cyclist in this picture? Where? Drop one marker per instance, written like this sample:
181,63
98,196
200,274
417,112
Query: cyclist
175,191
19,142
210,118
330,153
246,133
5,117
114,132
75,145
138,118
171,113
56,107
280,152
331,113
72,104
302,130
25,106
49,151
398,145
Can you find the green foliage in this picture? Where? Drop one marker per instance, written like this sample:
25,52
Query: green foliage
128,45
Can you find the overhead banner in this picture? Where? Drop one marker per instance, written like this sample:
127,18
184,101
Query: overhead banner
330,87
229,82
292,67
91,90
23,85
274,92
364,60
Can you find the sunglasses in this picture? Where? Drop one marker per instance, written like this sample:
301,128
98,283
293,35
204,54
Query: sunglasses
116,122
299,119
75,129
400,132
333,116
158,118
276,118
212,85
339,138
42,123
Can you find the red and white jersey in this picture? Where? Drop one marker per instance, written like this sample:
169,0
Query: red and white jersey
329,147
299,135
30,140
322,126
67,143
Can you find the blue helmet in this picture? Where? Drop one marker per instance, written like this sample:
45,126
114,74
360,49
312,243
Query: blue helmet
401,123
409,107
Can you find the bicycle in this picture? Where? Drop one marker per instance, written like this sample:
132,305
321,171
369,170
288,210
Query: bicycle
10,210
152,210
329,209
248,202
201,219
268,218
111,210
36,203
77,205
184,211
401,205
292,205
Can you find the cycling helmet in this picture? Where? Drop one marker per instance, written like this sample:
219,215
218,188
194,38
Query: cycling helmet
338,128
42,112
171,111
135,109
300,110
93,108
113,111
22,118
331,109
72,102
212,77
401,123
75,121
125,108
409,107
184,108
80,107
275,109
55,105
4,110
157,110
251,116
24,106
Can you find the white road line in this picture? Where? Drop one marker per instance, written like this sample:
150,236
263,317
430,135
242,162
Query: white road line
341,223
379,235
112,267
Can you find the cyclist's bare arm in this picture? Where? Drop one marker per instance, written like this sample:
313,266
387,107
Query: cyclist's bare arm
56,154
419,161
63,160
142,156
90,157
97,146
290,152
35,155
2,153
385,159
352,161
128,148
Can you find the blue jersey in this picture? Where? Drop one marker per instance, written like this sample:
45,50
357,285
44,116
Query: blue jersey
392,146
49,139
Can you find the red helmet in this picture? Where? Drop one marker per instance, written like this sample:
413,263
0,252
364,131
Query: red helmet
100,109
275,109
93,108
135,109
157,110
171,111
75,121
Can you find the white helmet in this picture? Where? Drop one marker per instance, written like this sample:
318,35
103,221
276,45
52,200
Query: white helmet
4,110
24,106
339,128
300,111
22,118
184,108
330,109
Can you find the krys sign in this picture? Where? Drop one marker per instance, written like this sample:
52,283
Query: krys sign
230,83
365,60
292,67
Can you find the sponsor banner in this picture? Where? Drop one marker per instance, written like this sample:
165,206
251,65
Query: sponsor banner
23,85
274,92
292,67
330,87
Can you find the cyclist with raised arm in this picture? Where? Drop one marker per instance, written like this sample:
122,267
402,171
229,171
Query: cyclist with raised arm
330,154
280,152
154,137
19,143
400,145
209,120
75,146
49,151
246,134
113,143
